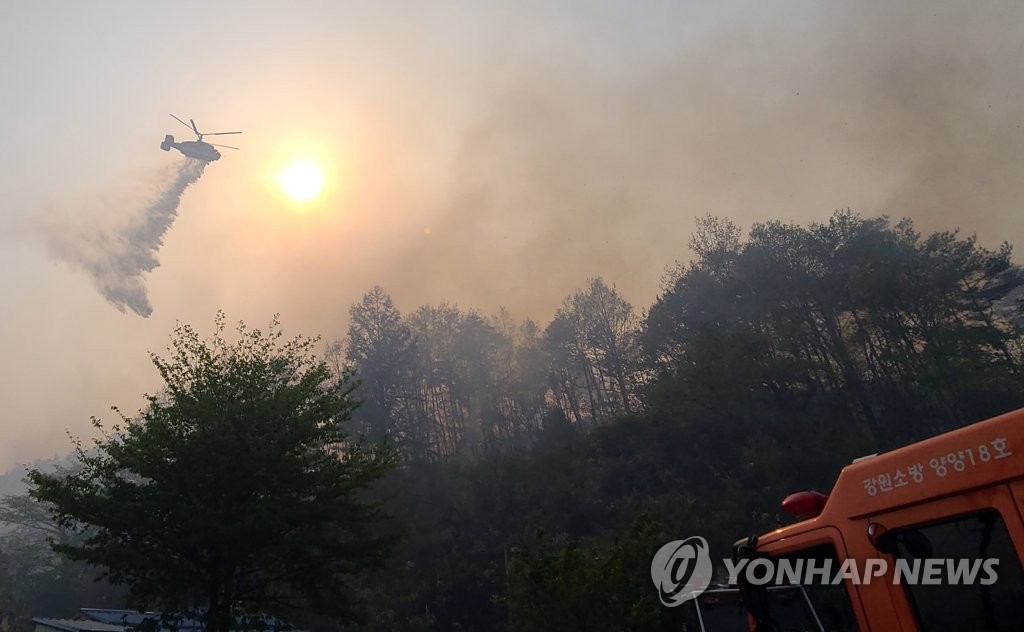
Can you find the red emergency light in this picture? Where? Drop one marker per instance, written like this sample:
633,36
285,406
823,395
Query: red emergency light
804,505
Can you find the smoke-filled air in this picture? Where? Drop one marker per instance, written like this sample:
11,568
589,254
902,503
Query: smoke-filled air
117,260
480,304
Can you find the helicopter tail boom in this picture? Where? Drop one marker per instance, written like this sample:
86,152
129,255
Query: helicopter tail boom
168,142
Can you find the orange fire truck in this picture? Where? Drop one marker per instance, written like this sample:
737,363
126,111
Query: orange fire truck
958,496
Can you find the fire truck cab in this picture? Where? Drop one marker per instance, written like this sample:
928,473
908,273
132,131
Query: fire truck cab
957,497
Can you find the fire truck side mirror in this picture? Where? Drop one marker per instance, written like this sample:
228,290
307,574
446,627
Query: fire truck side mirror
915,543
881,539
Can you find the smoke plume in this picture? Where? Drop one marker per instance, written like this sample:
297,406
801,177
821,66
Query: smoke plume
118,259
583,164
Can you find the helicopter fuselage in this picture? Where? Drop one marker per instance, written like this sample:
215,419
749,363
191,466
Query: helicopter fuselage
192,148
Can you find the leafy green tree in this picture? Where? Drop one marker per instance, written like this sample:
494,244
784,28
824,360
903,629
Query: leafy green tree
442,415
379,346
235,493
903,336
521,375
593,351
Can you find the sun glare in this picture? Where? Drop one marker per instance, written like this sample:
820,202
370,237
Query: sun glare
301,181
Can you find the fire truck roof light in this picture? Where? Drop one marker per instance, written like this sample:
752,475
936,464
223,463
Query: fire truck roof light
804,505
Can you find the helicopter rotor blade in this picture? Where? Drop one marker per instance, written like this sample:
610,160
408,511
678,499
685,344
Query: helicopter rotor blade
200,134
181,121
224,146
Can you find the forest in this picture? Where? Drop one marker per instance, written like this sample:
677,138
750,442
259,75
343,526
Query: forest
541,465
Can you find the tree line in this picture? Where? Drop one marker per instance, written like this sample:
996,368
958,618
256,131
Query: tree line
767,363
443,383
855,313
540,466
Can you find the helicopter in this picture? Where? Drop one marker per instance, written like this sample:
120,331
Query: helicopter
196,148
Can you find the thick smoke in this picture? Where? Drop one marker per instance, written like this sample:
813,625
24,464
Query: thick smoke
581,165
117,259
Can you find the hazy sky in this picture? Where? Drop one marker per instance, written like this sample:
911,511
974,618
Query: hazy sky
483,153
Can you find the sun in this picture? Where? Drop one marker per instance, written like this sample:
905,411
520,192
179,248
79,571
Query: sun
302,181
